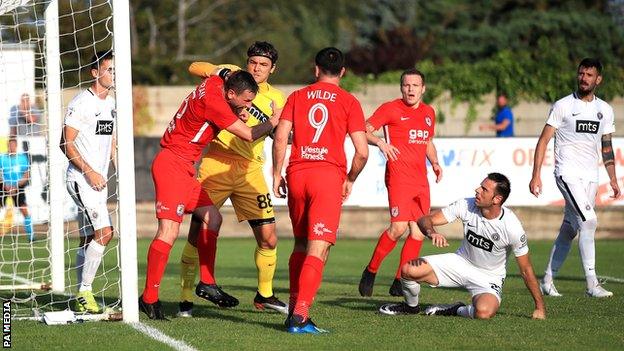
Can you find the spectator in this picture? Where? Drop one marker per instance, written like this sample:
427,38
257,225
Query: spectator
15,175
503,121
25,118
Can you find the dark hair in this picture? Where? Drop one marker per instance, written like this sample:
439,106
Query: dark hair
412,71
264,49
240,81
100,56
590,62
330,61
503,187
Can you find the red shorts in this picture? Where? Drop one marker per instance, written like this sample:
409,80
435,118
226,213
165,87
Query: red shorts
177,190
315,202
408,203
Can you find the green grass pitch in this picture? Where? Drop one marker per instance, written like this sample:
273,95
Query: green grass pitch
574,322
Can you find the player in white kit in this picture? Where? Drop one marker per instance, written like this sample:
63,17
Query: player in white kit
581,124
88,143
491,231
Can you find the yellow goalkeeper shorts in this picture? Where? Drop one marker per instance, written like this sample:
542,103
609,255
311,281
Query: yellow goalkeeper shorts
226,176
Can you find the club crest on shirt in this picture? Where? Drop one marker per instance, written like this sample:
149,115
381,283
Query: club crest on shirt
319,229
114,113
495,237
394,211
428,120
180,210
587,207
599,115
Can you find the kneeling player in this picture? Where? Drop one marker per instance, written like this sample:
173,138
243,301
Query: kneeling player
479,264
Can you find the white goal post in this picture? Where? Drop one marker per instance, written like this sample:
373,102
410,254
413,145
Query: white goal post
37,274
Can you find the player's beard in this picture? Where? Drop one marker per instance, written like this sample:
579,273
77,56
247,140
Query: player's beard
587,89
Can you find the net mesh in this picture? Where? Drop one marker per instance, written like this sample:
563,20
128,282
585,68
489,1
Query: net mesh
25,258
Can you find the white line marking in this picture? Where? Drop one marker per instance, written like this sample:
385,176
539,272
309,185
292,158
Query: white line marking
611,279
162,337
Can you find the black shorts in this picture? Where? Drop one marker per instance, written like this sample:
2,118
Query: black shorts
19,199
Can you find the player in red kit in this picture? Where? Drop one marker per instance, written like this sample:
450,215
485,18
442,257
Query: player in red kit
408,128
211,107
320,116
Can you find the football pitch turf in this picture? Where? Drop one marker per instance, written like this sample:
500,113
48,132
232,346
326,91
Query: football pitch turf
574,322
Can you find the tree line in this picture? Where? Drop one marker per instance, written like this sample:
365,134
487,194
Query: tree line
528,49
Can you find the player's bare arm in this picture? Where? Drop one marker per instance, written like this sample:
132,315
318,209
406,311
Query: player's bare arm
390,151
280,142
608,159
357,163
426,225
24,180
526,271
432,156
535,186
241,130
95,180
113,156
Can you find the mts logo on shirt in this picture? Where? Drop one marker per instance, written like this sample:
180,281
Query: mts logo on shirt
590,127
478,241
104,128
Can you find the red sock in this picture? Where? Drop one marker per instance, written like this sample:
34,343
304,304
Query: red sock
410,251
384,246
207,251
309,282
157,257
294,270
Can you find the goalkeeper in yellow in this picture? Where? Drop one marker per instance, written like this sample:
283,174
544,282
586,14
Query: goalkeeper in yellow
232,168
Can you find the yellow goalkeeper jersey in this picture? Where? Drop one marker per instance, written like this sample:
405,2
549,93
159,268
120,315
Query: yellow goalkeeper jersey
267,100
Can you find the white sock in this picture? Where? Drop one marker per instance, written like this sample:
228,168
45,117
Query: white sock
80,258
411,289
466,311
93,257
587,249
559,251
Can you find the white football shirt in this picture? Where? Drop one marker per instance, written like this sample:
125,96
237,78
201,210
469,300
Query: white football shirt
487,242
580,127
94,118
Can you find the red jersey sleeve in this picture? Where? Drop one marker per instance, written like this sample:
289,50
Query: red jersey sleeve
356,122
288,111
380,117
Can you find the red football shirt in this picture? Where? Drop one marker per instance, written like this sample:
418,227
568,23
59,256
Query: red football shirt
409,130
199,119
322,115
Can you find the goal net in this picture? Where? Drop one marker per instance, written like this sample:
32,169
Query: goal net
46,50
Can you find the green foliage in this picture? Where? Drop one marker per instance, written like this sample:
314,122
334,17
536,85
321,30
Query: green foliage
528,50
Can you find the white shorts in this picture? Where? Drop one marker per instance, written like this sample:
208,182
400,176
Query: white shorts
454,271
580,198
92,210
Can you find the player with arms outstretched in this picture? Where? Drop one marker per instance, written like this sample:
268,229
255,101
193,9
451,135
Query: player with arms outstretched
479,265
320,116
232,168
